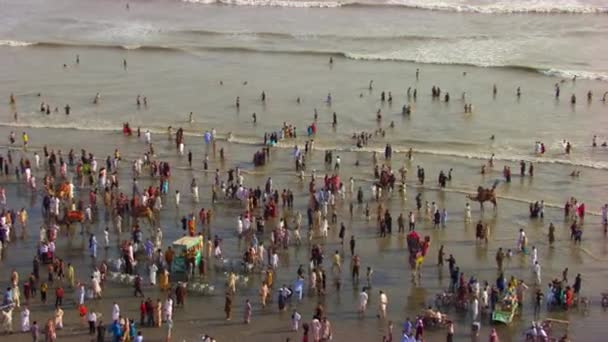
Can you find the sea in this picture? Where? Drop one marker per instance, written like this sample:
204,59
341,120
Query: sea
199,56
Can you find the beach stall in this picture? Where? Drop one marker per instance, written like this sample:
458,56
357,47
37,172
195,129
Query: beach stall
505,310
188,249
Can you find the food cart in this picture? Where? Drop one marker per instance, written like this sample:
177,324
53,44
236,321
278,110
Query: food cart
188,249
504,311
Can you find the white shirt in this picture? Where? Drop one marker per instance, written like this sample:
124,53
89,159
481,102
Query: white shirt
158,204
115,312
383,299
484,297
475,306
363,298
275,260
91,316
295,320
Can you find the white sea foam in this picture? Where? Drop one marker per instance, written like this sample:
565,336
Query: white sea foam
273,3
511,156
474,6
14,43
508,6
578,73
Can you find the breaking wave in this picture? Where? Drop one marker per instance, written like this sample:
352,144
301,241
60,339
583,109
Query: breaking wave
484,6
288,144
389,57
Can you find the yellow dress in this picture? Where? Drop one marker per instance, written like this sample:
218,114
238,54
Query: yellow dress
163,282
269,277
70,275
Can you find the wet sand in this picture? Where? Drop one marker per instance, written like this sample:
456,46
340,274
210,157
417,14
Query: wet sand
388,256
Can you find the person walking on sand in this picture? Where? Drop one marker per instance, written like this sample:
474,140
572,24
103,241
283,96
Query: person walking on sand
382,305
536,270
247,312
228,306
194,190
363,299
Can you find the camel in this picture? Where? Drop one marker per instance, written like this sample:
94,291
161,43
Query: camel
485,194
144,212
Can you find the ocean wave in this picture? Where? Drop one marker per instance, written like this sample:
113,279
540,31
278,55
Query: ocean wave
505,6
499,157
572,73
323,146
321,36
480,63
389,57
272,3
15,43
490,7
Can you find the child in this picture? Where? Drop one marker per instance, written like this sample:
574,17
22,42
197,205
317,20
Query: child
43,289
368,276
106,238
82,311
295,320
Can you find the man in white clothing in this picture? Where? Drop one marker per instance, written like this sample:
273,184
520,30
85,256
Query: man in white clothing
383,303
115,312
363,298
536,271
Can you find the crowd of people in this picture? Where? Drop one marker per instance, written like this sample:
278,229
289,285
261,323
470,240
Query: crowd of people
78,191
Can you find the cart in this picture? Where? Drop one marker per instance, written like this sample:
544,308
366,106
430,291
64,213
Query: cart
504,312
188,249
